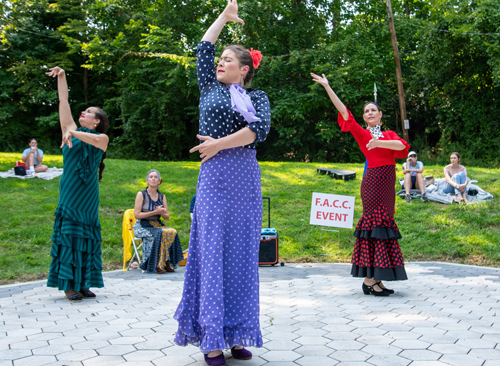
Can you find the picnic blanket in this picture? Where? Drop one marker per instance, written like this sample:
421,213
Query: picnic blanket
51,173
434,192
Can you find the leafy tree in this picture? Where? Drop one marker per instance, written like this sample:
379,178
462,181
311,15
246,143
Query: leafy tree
136,58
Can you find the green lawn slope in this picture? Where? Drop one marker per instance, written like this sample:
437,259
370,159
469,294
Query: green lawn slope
431,231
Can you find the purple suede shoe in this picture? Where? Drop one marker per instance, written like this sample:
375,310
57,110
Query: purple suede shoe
241,354
219,360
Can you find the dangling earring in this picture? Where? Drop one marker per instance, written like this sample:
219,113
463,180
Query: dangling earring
95,125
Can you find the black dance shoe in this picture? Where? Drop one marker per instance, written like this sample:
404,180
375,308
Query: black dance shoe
385,288
369,290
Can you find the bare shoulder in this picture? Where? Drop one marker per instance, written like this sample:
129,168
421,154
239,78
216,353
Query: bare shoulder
104,137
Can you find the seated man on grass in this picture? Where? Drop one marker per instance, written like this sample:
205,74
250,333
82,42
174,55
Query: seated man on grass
414,178
32,158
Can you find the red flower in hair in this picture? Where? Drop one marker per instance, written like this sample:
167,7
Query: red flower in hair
256,57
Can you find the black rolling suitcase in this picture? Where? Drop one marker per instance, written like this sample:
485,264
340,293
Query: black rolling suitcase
268,252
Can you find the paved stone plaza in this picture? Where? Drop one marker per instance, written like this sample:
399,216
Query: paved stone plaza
311,314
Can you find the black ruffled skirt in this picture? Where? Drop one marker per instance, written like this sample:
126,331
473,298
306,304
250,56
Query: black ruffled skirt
376,252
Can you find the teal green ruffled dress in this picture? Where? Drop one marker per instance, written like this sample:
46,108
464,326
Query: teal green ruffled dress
76,248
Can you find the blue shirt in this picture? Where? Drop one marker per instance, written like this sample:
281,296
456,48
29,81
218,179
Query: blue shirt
28,150
419,165
217,117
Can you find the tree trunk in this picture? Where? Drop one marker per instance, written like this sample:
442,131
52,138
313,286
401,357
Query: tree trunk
399,76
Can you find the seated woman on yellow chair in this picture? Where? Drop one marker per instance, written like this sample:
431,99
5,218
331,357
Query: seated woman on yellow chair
161,246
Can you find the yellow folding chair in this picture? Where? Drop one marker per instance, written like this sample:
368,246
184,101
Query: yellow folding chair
130,241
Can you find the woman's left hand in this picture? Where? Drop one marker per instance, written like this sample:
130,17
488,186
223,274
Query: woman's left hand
207,149
66,139
373,143
230,13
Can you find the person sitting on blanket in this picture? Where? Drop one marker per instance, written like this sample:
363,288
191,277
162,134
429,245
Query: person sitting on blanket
32,158
456,178
162,250
414,178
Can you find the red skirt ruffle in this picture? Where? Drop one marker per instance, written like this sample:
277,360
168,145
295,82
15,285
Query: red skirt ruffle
377,253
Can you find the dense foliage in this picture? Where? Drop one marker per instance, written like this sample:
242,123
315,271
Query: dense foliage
136,59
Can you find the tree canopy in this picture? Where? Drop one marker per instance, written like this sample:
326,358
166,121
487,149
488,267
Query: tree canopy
136,59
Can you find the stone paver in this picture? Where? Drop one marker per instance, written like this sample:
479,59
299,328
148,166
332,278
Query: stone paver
311,314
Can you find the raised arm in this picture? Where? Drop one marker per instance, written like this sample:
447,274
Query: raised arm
336,101
65,118
230,14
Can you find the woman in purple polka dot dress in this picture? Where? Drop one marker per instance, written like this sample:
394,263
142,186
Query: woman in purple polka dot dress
219,308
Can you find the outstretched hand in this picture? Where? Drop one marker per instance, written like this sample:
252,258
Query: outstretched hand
321,80
230,13
207,149
55,71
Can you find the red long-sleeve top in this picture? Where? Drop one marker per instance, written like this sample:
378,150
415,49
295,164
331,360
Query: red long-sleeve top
378,156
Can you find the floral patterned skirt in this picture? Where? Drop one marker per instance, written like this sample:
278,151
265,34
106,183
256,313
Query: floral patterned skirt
161,244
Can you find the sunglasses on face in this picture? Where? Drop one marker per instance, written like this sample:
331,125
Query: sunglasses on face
413,156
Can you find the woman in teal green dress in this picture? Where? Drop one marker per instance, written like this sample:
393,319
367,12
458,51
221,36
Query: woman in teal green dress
76,249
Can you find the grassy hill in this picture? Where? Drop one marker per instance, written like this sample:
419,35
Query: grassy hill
431,231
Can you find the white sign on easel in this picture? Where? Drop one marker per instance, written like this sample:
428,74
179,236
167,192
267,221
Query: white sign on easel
332,210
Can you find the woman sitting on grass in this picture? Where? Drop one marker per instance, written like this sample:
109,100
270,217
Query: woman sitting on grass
456,178
33,157
162,248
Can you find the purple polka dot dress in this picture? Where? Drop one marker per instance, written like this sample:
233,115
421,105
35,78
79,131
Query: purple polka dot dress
220,301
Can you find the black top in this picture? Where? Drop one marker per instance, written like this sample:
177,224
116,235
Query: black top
149,205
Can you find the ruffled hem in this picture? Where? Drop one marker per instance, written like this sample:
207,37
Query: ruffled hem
189,332
378,233
76,259
377,224
88,220
380,274
212,342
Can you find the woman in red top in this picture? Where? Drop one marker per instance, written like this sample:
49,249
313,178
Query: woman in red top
376,255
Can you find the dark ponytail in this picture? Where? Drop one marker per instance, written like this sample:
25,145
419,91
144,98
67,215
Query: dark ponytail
101,127
102,166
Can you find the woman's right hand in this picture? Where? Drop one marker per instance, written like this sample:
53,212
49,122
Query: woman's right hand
55,71
230,13
321,80
159,210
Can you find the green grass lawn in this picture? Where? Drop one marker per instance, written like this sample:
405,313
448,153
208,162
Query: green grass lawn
431,231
